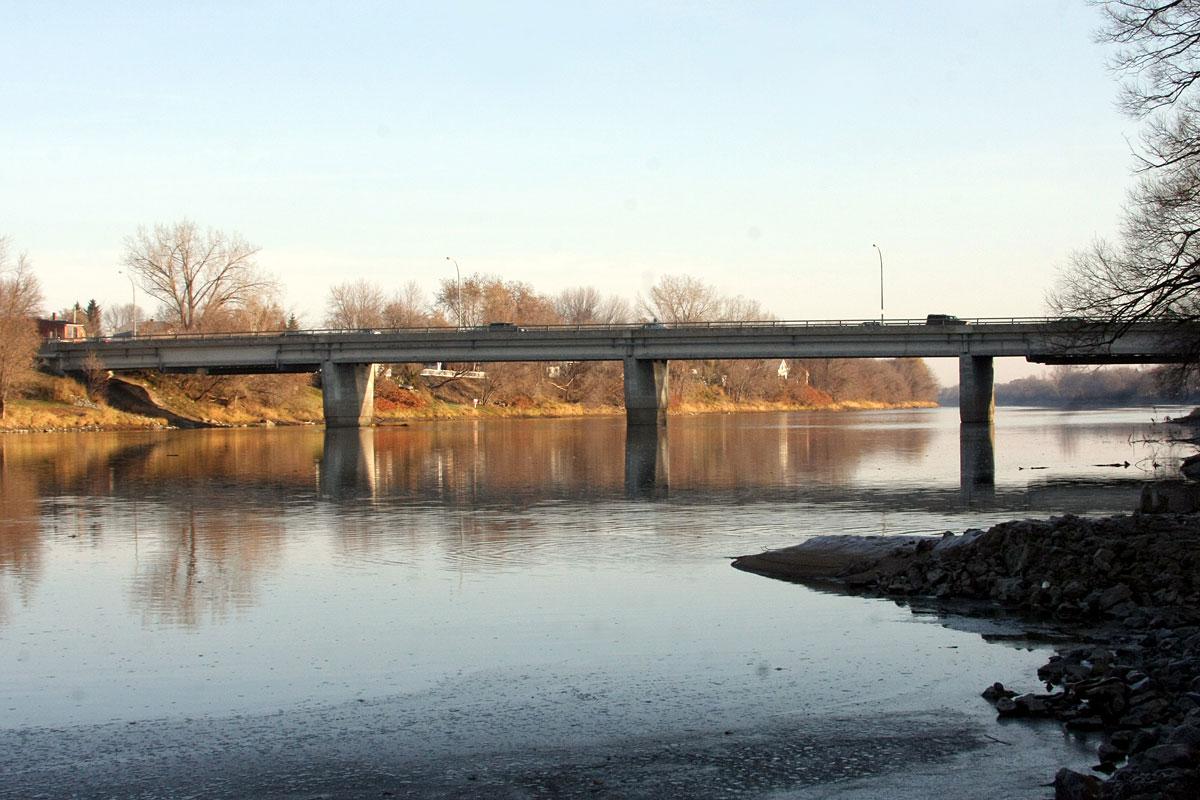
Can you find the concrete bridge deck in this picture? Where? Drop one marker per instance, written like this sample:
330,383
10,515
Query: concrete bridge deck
344,357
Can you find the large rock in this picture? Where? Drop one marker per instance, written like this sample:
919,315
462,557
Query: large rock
1190,467
1071,785
826,556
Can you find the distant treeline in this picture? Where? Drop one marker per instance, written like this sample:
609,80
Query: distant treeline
1075,387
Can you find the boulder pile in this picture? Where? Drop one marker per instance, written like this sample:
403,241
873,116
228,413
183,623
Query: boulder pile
1134,581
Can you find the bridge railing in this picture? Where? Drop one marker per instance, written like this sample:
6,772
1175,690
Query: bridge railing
640,327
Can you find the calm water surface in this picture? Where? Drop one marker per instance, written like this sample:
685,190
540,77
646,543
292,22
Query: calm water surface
547,579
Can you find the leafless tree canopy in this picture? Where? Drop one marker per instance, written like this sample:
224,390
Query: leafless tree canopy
1155,41
1152,271
586,306
682,298
480,299
20,297
196,275
407,308
361,304
119,318
354,305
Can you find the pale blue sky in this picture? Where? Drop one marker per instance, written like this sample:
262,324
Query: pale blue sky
762,147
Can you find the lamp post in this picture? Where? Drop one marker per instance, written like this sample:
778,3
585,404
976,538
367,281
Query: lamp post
877,250
458,275
133,293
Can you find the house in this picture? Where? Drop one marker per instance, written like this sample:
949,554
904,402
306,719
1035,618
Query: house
55,328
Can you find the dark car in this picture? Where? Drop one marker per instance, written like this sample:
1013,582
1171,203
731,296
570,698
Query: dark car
501,326
942,319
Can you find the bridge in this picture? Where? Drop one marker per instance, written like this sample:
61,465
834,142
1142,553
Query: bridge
346,359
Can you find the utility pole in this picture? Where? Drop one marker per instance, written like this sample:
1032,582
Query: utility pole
458,275
877,250
133,292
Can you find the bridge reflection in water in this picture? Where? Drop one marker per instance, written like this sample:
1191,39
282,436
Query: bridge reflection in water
976,464
207,513
647,462
348,467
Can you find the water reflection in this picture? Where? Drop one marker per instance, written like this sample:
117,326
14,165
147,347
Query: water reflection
207,517
20,531
204,565
647,461
977,463
347,469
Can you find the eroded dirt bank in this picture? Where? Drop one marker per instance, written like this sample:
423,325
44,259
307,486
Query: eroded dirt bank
1130,583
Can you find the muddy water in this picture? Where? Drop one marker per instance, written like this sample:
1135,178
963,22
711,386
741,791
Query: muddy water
516,608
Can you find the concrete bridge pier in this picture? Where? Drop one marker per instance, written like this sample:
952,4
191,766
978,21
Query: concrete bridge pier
348,394
976,394
645,392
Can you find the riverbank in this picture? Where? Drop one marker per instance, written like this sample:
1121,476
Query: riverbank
53,404
1130,585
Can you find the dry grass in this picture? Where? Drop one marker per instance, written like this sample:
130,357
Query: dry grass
55,403
301,404
41,415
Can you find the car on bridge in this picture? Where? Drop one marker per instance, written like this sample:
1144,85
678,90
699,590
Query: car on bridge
943,319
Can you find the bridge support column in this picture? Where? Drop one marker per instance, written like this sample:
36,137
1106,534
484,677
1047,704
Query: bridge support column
645,392
976,394
348,394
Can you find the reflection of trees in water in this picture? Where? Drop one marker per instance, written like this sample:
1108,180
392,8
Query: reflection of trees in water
208,503
192,564
527,461
506,462
20,531
727,453
203,565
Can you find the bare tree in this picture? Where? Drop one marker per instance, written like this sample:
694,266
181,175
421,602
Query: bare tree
119,318
681,298
585,305
195,275
355,305
407,308
1154,269
486,298
20,296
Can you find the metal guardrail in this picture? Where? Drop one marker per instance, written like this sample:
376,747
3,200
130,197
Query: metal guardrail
643,327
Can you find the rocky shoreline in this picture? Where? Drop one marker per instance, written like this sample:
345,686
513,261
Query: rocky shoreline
1130,583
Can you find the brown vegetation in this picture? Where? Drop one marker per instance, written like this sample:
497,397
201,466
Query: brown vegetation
20,297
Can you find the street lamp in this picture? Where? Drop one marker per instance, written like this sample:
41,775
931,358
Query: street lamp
133,292
458,274
877,250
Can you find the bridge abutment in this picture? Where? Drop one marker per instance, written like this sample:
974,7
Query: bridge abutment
645,392
348,394
976,392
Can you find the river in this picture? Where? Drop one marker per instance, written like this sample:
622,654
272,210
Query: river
520,608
